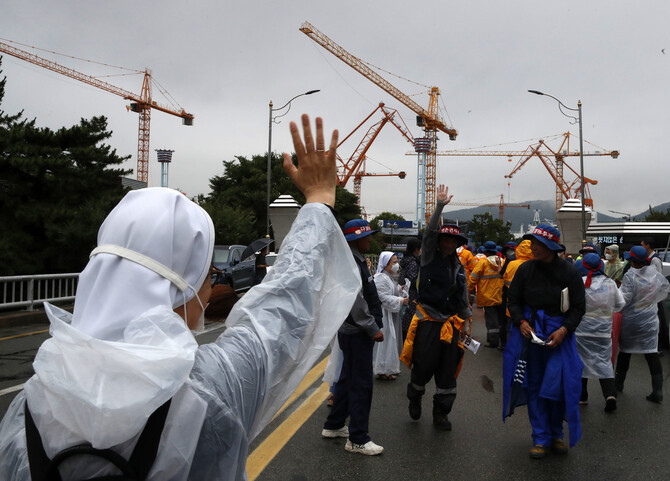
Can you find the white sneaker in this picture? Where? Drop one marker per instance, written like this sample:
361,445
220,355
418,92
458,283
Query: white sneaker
343,432
369,448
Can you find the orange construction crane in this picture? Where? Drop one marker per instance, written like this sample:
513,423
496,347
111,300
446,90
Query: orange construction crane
141,103
429,119
355,166
501,205
552,159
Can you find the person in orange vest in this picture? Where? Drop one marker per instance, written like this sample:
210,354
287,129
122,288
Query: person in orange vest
467,259
488,281
522,253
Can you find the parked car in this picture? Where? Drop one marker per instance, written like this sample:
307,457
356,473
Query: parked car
238,273
270,259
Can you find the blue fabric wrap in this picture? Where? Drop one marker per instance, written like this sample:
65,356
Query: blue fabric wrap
562,380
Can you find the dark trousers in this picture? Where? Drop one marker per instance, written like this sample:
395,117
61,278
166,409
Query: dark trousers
663,332
653,361
353,391
433,357
492,319
607,386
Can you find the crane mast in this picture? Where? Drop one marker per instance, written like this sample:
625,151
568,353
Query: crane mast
428,119
142,103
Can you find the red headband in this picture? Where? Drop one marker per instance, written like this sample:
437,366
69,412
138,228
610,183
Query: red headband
447,229
545,234
358,230
590,274
643,259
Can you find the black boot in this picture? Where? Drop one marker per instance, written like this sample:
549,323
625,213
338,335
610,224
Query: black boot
414,396
656,395
442,404
619,378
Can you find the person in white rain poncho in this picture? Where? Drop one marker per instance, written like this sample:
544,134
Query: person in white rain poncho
642,288
386,358
127,349
594,333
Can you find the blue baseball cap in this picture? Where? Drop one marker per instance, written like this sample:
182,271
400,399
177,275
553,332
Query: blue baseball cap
549,235
639,254
490,246
357,229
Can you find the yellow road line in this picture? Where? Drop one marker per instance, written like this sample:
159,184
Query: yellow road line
268,449
23,335
316,372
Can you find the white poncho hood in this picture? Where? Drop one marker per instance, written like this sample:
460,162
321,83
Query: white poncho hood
124,331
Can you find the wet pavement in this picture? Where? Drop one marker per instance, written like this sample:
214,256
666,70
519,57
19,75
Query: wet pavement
632,443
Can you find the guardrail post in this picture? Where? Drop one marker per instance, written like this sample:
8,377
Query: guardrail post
31,285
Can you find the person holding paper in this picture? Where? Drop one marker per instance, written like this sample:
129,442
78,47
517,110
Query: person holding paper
547,301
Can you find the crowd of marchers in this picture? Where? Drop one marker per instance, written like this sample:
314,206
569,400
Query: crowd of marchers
558,321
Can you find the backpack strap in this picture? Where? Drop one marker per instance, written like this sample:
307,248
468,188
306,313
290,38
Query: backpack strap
141,460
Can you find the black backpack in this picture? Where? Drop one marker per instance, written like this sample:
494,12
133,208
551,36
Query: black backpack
135,469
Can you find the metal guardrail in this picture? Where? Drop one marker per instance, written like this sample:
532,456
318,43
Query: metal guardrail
17,292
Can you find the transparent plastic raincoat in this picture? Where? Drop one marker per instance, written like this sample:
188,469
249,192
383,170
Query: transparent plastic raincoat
642,290
594,333
124,352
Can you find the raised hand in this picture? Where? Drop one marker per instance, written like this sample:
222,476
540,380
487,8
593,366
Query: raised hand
316,172
443,196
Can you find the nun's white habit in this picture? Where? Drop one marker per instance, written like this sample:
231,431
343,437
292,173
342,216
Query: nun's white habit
124,351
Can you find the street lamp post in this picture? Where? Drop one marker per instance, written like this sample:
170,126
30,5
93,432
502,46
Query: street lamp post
394,226
581,151
269,169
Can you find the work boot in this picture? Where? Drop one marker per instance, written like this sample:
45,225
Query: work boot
414,396
442,404
619,378
656,395
610,404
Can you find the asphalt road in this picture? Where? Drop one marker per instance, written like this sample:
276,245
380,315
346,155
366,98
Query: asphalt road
632,443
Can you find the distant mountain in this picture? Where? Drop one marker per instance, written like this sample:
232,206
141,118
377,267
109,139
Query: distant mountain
519,216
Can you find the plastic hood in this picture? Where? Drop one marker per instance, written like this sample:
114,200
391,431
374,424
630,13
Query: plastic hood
103,391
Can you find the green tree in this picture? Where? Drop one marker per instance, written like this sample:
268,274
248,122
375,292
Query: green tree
486,228
56,187
237,201
380,240
657,216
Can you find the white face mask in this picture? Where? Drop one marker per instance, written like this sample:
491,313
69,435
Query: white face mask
395,268
200,326
609,257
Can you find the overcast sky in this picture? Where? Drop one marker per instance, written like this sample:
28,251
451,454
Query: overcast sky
224,61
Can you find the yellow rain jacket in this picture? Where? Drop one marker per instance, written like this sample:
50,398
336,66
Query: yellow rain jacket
446,335
488,281
523,254
467,259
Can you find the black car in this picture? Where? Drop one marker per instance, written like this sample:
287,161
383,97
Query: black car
238,273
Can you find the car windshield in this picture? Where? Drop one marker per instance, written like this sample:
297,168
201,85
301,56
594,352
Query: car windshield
221,255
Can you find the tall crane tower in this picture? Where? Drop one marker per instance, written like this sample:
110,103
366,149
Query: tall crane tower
428,119
501,206
552,159
141,103
355,165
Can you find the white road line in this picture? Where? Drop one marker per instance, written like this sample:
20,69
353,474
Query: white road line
12,389
215,326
